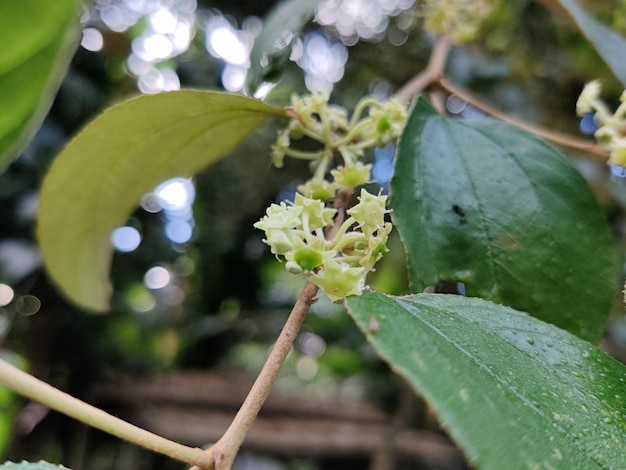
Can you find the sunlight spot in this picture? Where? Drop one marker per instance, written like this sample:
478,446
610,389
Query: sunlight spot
6,295
178,231
224,42
158,80
113,17
125,239
163,21
175,194
27,305
306,368
323,61
234,77
92,39
157,277
311,344
152,47
150,203
264,90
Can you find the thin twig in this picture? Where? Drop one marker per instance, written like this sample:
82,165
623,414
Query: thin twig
559,138
433,71
224,451
33,388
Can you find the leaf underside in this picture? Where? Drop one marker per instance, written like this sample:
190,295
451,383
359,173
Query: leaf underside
100,177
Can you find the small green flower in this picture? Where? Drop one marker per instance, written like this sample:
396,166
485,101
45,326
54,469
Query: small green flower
318,189
618,152
319,216
308,259
278,241
389,120
377,245
308,255
352,174
461,19
587,100
280,216
280,148
277,223
370,212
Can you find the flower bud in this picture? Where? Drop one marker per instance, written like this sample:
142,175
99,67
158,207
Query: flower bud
318,189
590,93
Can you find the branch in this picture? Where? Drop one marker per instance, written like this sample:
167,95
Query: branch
224,451
433,76
559,138
37,390
433,71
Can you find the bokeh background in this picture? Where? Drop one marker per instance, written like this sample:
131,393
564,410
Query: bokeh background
198,297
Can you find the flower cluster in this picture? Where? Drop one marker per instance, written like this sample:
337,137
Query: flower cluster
298,232
461,19
337,266
611,132
329,125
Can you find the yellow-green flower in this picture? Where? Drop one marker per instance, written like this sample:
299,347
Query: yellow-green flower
339,280
370,212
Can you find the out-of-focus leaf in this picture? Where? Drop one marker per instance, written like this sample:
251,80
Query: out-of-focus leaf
31,466
610,45
489,205
272,48
97,180
513,391
38,40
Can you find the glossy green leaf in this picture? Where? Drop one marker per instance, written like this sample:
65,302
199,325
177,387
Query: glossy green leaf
514,392
610,45
38,40
487,204
272,48
31,466
100,177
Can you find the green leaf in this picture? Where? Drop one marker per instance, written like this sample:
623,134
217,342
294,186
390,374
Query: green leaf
489,205
38,40
610,45
514,392
96,182
31,466
272,48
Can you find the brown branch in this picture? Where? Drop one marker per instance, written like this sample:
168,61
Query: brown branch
39,391
433,71
224,451
433,76
559,138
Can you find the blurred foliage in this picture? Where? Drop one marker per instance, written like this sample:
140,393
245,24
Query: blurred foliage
530,62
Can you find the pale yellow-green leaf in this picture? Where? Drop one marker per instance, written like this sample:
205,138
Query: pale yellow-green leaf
100,177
